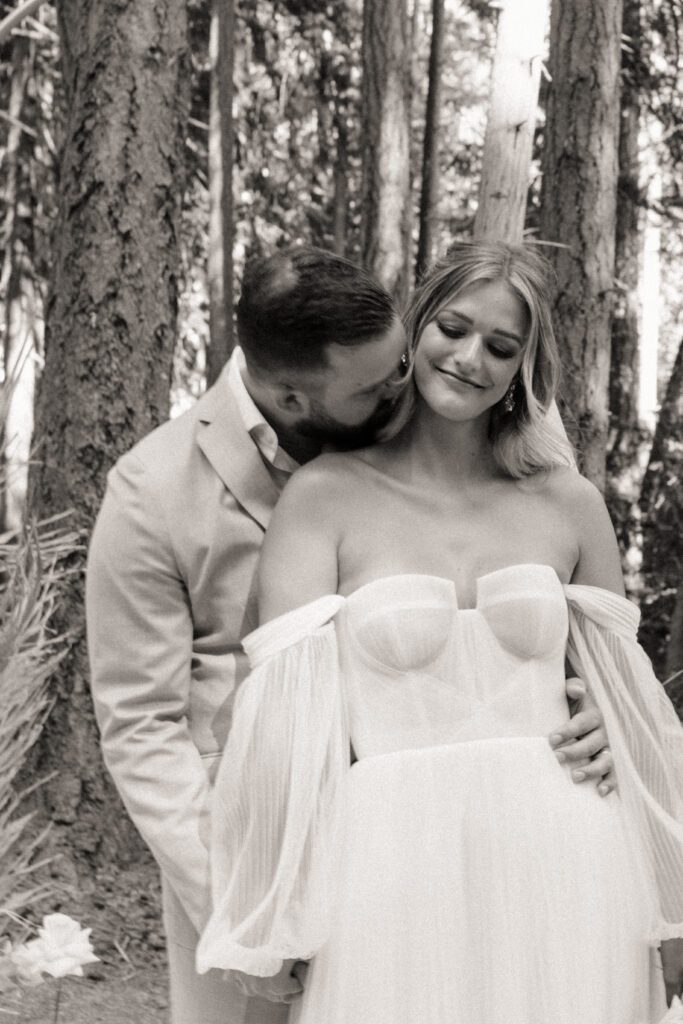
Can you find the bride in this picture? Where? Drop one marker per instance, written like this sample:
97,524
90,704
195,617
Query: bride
420,598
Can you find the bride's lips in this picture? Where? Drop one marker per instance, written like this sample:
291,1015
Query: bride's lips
462,380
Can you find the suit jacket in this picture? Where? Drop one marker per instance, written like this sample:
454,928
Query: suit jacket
170,592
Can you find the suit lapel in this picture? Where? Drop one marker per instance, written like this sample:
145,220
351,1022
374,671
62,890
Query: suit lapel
222,437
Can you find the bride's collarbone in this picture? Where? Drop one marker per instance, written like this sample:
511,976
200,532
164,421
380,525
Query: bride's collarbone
462,550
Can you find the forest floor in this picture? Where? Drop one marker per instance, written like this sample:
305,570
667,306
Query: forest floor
129,984
108,995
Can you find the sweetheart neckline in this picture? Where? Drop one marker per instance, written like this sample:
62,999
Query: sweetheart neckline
451,583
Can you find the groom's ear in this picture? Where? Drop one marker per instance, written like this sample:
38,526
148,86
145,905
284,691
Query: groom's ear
291,400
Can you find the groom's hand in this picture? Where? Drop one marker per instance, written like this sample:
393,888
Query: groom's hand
282,987
582,742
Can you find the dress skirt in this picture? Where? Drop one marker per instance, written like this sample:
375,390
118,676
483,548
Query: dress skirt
480,885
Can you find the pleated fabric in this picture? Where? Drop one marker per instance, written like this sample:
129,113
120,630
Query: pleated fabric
645,735
276,808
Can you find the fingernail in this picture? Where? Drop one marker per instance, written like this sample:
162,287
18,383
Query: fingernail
578,776
561,757
556,738
603,790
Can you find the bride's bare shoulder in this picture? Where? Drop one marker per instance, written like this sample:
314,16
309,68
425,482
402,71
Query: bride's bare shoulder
583,508
566,486
299,555
572,491
317,496
326,476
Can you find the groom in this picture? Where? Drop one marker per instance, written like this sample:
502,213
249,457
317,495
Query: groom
171,588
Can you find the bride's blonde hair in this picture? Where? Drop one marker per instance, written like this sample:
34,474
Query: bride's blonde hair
523,440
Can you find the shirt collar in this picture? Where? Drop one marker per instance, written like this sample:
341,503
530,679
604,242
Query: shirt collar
256,425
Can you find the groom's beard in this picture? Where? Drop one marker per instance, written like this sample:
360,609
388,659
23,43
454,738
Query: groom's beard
329,432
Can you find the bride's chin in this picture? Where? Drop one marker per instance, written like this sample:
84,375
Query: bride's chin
456,408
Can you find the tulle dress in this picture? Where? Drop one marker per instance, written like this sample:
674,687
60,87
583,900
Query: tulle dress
454,874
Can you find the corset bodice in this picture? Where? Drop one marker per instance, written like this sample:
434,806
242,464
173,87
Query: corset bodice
420,671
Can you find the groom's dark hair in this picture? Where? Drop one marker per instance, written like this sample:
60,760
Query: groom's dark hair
298,301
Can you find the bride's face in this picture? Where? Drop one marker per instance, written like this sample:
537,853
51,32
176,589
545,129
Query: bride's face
469,354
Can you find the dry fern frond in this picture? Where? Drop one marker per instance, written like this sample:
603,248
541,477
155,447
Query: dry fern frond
31,571
34,563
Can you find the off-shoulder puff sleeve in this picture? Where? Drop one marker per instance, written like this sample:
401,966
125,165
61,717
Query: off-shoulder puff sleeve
276,802
645,735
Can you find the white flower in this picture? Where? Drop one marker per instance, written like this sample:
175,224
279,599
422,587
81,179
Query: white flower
27,960
674,1014
62,947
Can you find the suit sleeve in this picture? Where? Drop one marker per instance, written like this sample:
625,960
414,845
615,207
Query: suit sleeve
140,645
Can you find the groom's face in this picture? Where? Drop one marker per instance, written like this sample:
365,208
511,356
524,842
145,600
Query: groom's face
356,393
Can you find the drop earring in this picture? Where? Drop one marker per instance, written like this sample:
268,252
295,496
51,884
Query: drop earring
509,399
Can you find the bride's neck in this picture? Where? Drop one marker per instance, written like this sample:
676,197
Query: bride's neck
445,447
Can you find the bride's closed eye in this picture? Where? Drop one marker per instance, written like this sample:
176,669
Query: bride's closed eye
500,353
452,330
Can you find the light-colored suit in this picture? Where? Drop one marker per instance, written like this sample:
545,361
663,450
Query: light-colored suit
170,593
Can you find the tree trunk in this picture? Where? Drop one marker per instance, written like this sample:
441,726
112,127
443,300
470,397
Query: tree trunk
674,663
385,228
661,508
429,196
578,209
340,200
624,362
220,189
110,335
673,669
511,121
18,295
651,289
624,476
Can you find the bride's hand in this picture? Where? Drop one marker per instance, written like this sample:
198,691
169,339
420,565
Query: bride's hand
672,962
282,987
582,741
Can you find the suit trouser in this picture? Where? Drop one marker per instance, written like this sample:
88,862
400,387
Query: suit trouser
210,998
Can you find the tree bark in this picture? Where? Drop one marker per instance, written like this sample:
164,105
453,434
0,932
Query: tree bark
429,196
578,209
385,228
520,48
222,44
110,336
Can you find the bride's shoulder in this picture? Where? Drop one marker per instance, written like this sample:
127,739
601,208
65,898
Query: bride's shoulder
319,491
571,491
325,477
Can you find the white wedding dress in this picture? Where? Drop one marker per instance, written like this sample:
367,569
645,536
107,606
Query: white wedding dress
454,874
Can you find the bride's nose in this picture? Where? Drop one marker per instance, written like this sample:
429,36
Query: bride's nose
468,351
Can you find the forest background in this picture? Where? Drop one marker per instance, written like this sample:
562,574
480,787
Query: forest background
148,150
